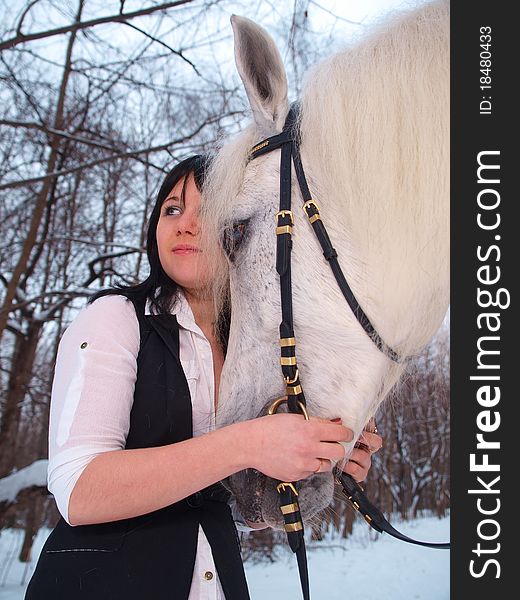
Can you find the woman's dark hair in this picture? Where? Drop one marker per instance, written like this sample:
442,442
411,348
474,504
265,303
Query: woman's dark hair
158,288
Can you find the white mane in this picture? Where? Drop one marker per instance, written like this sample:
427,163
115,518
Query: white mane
376,142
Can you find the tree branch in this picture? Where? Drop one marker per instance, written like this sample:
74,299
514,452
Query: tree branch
93,163
56,132
28,97
51,131
172,50
23,15
20,38
67,295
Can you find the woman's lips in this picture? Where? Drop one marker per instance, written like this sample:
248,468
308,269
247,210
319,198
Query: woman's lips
183,249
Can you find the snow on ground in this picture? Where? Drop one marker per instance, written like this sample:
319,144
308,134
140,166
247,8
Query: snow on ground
34,474
363,568
360,567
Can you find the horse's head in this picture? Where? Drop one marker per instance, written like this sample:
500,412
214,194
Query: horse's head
374,145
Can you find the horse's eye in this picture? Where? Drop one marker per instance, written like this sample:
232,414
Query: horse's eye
232,238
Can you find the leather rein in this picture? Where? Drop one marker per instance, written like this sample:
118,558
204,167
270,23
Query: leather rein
288,142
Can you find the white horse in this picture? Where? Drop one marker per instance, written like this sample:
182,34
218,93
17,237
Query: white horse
374,125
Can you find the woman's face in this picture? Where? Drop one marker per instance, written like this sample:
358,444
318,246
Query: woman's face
178,237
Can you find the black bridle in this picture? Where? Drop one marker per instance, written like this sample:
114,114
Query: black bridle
288,141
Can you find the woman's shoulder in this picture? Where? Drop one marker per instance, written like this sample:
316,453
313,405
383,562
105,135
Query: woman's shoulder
108,318
111,306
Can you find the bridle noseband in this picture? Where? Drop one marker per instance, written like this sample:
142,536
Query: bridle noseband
288,141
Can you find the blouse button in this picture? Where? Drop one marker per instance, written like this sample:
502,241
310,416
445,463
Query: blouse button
84,345
208,575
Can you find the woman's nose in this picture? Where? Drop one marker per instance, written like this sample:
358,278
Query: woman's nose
188,223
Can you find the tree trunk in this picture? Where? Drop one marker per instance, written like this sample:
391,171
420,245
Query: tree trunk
42,198
36,503
19,380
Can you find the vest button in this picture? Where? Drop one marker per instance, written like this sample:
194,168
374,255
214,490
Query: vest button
208,575
196,500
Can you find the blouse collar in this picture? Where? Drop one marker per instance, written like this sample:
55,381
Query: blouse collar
182,310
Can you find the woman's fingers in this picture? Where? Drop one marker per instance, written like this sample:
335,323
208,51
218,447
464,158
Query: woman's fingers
323,466
329,431
360,461
289,448
371,426
359,464
332,451
361,458
357,471
371,442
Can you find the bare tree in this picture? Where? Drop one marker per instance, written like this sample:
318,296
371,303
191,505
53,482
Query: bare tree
89,126
72,165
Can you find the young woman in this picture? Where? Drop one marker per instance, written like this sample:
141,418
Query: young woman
135,462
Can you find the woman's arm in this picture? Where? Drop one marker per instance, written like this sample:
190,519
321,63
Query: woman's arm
92,476
125,483
92,391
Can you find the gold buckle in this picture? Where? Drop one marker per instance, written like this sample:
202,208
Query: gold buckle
308,204
274,406
281,487
288,381
284,213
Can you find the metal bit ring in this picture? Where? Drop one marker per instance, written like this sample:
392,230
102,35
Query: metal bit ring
276,404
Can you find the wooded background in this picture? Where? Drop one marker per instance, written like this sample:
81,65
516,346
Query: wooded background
98,101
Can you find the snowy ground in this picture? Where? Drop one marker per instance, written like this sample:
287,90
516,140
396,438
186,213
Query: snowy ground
359,567
363,568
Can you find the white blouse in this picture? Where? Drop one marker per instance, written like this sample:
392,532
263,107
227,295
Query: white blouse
92,396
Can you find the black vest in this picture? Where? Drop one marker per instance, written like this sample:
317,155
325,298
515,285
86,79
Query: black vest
153,555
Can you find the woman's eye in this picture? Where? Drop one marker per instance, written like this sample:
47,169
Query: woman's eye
233,237
172,209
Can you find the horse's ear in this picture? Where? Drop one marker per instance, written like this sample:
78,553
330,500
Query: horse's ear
261,69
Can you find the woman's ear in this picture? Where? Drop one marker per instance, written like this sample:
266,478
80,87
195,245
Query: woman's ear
261,69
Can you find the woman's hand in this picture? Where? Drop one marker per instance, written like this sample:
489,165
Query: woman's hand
369,442
289,448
